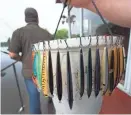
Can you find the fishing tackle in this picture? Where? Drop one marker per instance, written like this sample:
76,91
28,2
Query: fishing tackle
111,72
104,71
97,78
45,87
50,73
121,62
39,69
58,77
124,56
81,73
34,73
118,67
115,64
89,73
69,81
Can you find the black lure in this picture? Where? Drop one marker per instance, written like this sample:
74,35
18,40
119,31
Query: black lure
97,78
58,77
89,73
81,74
69,81
118,67
111,73
50,73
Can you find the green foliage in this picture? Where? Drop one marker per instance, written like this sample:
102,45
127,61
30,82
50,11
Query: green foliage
62,34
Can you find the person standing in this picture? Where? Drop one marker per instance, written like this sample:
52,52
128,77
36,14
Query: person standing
22,40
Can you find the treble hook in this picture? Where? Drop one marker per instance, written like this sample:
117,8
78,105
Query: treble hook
33,47
121,41
89,37
97,42
66,43
80,42
43,45
58,44
49,44
106,40
39,44
117,40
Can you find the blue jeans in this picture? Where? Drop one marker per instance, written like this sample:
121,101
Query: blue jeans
34,97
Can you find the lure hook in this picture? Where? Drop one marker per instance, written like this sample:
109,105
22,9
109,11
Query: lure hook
58,44
33,47
89,37
80,42
39,44
43,45
66,43
97,40
49,44
105,40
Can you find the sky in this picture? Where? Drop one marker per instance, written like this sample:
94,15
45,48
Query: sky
12,15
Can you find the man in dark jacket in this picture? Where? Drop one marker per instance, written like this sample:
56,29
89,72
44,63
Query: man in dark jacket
22,40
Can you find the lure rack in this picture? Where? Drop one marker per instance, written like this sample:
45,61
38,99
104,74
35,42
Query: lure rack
77,67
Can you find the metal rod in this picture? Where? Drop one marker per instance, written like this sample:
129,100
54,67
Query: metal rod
17,83
8,66
59,21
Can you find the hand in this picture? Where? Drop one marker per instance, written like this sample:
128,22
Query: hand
78,3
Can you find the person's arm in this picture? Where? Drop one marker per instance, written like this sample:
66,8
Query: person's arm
116,11
15,46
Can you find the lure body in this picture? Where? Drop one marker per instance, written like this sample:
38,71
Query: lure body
118,67
69,81
121,62
39,69
89,74
59,77
45,87
111,72
124,56
97,73
50,73
104,71
34,70
115,64
81,73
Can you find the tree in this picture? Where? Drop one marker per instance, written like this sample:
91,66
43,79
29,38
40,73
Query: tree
62,34
66,19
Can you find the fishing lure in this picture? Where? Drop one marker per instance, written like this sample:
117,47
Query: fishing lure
111,72
34,72
115,64
89,73
121,62
108,92
81,73
50,73
124,56
69,81
97,78
45,87
39,69
59,77
104,71
118,67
